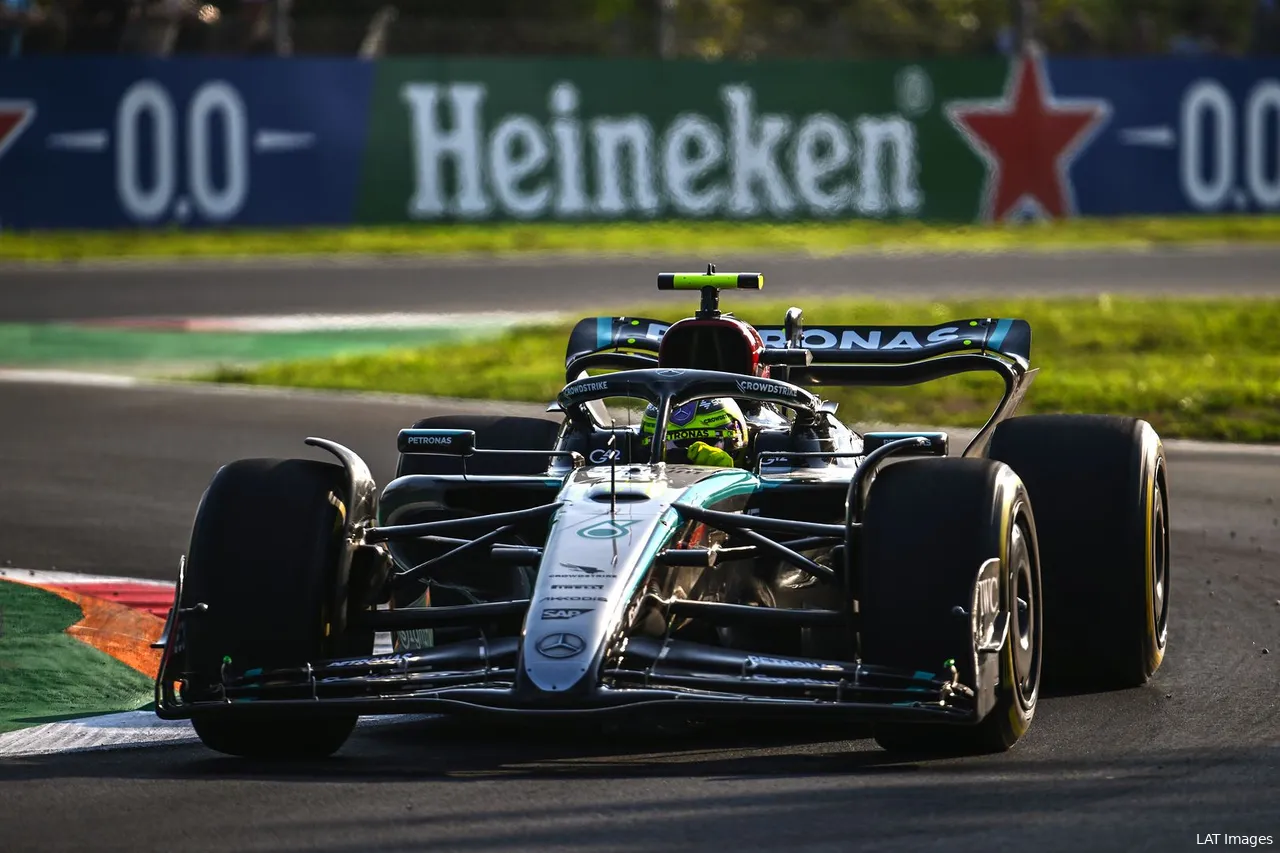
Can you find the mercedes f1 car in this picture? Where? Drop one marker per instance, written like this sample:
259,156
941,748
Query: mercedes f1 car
575,566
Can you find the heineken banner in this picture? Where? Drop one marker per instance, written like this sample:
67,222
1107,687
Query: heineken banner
111,142
644,140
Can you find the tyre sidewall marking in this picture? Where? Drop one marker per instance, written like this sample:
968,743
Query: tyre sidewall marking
1012,501
1153,642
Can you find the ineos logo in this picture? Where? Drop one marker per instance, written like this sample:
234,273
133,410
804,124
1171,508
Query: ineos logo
560,646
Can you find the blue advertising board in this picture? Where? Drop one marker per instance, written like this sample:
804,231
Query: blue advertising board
118,142
1181,136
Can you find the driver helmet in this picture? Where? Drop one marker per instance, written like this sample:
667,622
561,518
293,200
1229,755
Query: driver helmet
717,421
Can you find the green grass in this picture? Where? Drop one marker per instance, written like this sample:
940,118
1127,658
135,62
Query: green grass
1203,368
45,674
646,238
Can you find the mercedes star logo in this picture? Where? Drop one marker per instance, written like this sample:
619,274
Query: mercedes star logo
561,645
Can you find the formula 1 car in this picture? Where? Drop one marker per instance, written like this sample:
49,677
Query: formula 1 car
568,568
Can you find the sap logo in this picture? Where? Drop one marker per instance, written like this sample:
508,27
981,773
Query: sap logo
745,385
565,613
431,439
600,456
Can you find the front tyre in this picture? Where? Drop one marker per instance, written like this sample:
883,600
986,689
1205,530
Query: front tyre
928,527
265,554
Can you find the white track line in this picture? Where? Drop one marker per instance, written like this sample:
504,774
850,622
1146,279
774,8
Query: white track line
125,730
67,377
42,578
478,321
89,380
107,731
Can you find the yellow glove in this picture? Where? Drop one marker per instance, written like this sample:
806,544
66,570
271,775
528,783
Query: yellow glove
701,453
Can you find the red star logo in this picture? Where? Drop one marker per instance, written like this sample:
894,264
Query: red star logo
1028,140
14,118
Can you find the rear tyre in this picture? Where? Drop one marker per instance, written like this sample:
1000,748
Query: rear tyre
928,526
1099,484
492,433
265,556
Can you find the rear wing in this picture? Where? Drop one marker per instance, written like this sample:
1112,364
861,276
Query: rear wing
842,355
830,345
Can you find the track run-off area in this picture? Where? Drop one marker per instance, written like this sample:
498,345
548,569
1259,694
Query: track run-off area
104,478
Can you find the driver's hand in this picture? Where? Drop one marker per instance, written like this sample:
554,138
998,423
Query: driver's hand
701,453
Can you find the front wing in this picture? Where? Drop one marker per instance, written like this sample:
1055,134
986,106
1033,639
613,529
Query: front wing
649,677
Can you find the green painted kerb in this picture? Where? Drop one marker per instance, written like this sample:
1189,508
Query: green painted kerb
46,675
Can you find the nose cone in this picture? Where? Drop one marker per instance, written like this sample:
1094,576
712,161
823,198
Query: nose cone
558,661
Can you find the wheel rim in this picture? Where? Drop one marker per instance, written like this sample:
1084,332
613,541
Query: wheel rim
1160,560
1026,622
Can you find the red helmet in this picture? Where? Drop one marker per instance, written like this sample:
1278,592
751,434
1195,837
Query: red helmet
723,343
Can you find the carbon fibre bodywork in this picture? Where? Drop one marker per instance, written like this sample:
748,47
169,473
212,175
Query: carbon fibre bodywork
642,586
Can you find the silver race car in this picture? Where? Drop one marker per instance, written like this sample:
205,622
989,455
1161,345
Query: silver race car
590,565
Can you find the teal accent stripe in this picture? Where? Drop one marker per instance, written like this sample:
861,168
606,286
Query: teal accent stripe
718,487
997,337
604,332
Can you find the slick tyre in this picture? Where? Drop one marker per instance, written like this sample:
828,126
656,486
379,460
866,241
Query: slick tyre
929,525
1100,488
264,557
492,433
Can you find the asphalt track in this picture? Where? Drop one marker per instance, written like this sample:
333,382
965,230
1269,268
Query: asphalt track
106,479
347,285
